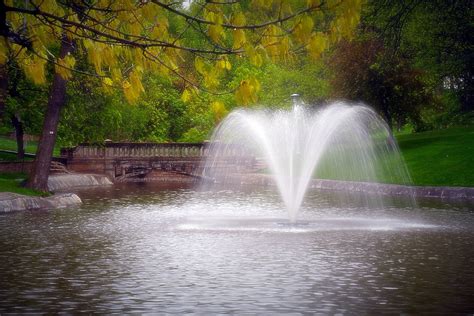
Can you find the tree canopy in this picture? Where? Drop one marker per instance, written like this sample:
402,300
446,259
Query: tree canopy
194,44
122,39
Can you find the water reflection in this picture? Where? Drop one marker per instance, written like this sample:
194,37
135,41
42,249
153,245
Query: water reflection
174,250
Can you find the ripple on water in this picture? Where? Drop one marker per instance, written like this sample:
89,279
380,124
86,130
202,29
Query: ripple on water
279,225
229,252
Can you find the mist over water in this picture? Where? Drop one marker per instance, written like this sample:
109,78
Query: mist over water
340,141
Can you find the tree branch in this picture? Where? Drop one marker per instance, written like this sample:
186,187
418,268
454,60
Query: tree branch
232,26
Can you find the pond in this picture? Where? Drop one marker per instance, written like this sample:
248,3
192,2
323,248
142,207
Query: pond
171,249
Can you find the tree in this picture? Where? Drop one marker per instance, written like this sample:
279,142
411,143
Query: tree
438,37
123,38
23,107
367,71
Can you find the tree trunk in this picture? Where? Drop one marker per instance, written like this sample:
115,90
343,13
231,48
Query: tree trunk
39,175
3,64
467,93
19,132
3,89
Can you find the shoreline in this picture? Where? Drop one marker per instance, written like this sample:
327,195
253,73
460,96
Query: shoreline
58,184
11,202
367,187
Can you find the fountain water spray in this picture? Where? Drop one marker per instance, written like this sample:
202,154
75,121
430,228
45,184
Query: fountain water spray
341,141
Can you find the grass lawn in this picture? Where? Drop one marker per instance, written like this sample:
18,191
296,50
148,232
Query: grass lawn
11,182
10,144
11,157
440,158
30,146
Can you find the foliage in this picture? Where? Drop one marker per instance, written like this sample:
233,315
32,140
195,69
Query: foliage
11,182
25,101
367,71
438,37
159,116
122,39
307,78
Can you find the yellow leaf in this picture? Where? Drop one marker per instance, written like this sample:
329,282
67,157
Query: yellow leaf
211,79
286,8
216,32
34,68
135,81
221,64
317,44
238,19
228,65
247,91
254,55
107,84
116,74
108,81
3,51
239,38
255,83
186,96
264,4
200,65
313,3
128,92
64,66
132,88
303,29
126,85
224,63
284,48
219,110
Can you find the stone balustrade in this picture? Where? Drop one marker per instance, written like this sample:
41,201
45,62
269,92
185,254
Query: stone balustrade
139,150
112,150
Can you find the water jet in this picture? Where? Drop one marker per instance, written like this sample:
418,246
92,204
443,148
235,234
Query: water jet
342,141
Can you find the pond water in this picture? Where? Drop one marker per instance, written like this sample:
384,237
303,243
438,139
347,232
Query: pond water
142,248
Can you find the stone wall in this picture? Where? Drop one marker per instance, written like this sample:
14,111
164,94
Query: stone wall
10,202
365,187
66,181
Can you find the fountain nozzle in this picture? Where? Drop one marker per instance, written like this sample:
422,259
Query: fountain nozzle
295,98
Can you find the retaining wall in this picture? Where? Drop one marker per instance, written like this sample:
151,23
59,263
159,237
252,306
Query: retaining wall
366,187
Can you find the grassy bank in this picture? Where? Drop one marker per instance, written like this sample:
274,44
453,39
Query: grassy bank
11,182
440,158
434,158
10,144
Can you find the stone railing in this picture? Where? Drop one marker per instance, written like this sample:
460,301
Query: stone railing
111,150
139,150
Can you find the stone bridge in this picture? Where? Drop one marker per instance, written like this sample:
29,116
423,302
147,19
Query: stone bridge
134,161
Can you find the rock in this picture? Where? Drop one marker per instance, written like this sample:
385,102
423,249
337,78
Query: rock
66,181
16,202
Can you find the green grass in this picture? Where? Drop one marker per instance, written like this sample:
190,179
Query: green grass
12,157
11,182
30,146
434,158
440,158
10,144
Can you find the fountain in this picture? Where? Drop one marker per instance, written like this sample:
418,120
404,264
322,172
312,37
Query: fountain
158,247
342,141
